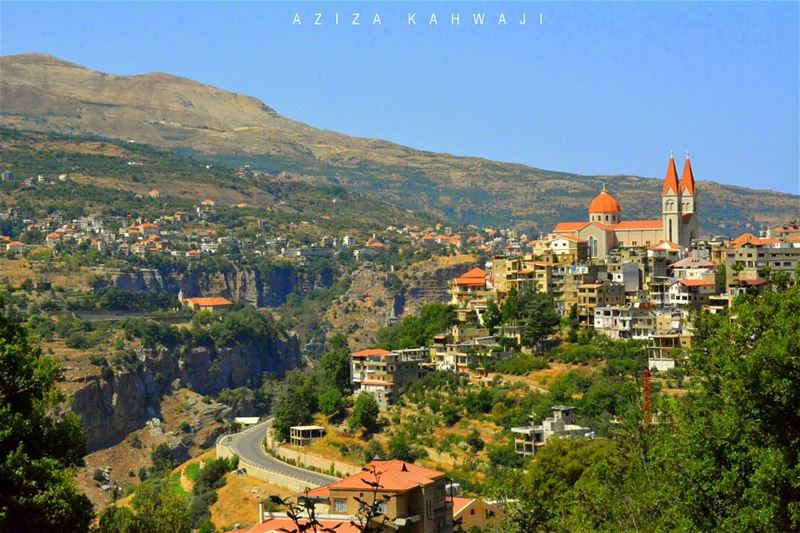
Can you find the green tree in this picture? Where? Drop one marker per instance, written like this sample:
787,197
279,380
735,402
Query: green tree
296,403
492,317
162,459
331,401
511,307
540,317
365,413
743,430
414,331
723,458
154,508
39,450
334,368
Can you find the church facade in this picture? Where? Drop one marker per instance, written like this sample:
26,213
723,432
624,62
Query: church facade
605,229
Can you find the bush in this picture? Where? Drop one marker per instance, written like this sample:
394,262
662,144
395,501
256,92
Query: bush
77,340
365,413
400,448
519,365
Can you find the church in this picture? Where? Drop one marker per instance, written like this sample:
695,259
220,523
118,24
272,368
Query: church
606,230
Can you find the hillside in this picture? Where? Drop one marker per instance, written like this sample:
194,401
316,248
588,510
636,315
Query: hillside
44,93
116,176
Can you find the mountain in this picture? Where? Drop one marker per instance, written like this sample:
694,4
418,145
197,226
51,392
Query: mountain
43,93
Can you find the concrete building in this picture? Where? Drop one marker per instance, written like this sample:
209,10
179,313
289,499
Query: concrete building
304,435
384,374
561,424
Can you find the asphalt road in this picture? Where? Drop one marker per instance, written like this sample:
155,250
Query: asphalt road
247,445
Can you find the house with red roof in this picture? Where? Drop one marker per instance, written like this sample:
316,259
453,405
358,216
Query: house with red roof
754,256
691,293
409,497
213,303
605,229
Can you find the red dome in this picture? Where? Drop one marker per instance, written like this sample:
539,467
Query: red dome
604,203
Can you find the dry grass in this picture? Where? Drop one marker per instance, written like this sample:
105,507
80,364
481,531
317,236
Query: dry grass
237,501
452,260
16,270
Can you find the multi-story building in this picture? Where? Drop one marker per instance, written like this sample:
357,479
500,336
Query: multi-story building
470,294
384,374
692,293
625,321
748,252
464,348
601,294
561,424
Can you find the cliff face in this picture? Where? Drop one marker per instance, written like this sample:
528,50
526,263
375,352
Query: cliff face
239,284
112,408
372,301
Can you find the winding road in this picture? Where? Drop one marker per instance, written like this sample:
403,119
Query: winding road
247,445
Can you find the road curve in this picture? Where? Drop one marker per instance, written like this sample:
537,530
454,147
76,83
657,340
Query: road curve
247,445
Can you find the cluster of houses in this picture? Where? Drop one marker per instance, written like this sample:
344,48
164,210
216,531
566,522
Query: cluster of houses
645,293
638,280
626,280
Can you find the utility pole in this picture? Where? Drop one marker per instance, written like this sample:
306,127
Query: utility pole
646,378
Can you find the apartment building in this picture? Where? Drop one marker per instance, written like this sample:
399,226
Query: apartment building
600,294
561,423
386,375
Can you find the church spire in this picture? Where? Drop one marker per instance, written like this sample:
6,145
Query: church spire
687,179
671,182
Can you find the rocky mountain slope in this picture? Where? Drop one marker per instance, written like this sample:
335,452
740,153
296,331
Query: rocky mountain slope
44,93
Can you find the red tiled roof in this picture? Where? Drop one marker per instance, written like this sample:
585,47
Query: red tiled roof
604,203
569,226
209,301
671,181
696,283
570,238
319,492
687,179
459,504
370,352
693,262
749,238
474,278
395,476
665,245
638,224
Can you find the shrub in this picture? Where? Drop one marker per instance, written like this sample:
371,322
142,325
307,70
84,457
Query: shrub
365,413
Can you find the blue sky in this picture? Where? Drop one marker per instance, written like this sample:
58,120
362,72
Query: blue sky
599,88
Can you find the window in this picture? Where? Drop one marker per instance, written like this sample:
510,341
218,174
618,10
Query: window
339,505
383,507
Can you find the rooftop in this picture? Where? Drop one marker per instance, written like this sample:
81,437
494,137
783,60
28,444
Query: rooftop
395,476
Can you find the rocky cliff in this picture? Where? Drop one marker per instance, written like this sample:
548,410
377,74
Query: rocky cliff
112,407
242,284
